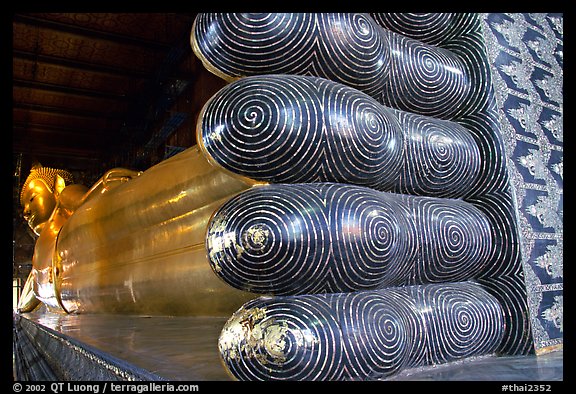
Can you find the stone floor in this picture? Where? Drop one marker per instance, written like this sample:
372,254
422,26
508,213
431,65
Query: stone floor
547,367
184,348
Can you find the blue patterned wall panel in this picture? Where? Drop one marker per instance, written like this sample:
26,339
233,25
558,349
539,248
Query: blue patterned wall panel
526,52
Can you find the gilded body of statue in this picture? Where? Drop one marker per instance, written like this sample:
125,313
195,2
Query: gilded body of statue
132,243
48,199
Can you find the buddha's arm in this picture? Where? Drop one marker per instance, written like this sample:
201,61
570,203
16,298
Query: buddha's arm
28,301
108,181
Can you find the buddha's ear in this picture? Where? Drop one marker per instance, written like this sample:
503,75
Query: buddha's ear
59,185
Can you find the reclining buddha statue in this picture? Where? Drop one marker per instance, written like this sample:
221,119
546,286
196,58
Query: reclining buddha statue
132,243
346,227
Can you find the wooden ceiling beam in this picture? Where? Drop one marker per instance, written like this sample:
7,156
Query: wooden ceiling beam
80,65
67,111
69,90
59,131
97,34
58,151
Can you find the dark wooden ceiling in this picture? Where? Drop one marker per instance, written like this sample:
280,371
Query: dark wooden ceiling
90,87
84,82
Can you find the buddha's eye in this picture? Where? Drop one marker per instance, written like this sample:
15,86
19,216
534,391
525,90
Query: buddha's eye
32,198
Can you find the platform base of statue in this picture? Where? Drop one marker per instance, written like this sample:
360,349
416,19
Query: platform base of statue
51,346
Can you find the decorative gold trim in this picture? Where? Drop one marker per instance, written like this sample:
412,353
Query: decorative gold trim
549,349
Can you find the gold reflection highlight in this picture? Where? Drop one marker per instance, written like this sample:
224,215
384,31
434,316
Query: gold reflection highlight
134,242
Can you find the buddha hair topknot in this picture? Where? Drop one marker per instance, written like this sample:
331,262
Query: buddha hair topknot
48,175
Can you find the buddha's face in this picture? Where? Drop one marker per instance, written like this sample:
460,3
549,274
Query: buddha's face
38,203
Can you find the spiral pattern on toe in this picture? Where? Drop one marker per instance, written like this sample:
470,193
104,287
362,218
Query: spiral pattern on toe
234,45
283,339
352,50
402,69
371,235
361,335
461,240
461,321
291,129
376,331
429,27
428,80
442,158
262,239
246,124
363,140
313,238
342,47
349,48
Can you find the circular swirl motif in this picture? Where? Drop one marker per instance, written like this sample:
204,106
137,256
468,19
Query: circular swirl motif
456,33
266,128
296,338
442,159
264,238
376,331
291,129
427,80
463,321
370,239
352,51
343,47
360,335
240,44
431,28
470,49
457,238
363,140
327,237
457,73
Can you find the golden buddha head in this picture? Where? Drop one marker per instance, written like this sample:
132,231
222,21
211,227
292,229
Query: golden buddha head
40,193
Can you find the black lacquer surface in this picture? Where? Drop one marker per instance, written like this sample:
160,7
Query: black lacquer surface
362,335
345,47
289,128
327,238
429,64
